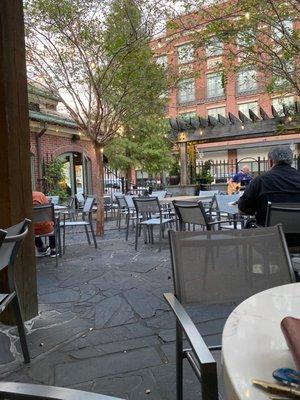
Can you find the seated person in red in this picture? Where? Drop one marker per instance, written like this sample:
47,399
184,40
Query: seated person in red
42,228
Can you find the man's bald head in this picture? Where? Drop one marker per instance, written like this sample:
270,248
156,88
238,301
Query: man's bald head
246,169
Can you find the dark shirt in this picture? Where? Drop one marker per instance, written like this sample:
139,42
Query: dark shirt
279,185
242,178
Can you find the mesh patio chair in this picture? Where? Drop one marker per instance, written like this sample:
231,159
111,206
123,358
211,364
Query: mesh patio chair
288,215
45,213
149,214
222,208
121,209
8,254
53,199
130,213
107,205
190,213
86,221
206,273
29,391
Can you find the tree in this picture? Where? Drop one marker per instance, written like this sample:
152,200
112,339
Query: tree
144,146
260,35
89,53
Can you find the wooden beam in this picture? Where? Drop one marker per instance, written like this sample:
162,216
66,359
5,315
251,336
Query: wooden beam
15,174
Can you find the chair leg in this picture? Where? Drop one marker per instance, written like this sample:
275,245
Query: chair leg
64,238
87,234
179,363
57,249
21,329
93,235
160,236
127,225
136,236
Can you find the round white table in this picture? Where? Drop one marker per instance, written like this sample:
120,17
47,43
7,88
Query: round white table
253,345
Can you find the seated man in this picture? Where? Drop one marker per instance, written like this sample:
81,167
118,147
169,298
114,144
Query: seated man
239,180
281,184
43,228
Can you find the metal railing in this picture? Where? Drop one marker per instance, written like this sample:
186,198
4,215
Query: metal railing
222,170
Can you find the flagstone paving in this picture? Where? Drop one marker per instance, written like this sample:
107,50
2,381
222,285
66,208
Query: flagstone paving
103,324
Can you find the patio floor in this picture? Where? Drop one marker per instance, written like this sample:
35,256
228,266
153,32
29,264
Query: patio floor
103,324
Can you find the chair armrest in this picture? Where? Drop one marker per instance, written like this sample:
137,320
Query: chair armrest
224,221
201,351
16,390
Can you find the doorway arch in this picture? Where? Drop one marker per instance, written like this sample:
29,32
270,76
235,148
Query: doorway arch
78,172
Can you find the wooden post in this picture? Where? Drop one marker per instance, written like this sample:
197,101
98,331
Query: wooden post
183,164
15,174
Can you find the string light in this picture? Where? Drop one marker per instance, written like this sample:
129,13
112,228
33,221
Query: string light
101,150
242,127
247,15
201,133
290,119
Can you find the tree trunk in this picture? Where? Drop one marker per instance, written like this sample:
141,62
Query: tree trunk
99,190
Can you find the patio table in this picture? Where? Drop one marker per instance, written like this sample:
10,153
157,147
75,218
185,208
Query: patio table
253,345
168,200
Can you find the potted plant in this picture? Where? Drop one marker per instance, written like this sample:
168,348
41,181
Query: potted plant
174,173
205,178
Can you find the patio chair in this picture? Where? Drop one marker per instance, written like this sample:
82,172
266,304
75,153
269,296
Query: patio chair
190,213
8,254
86,221
288,215
121,209
130,213
44,213
221,208
206,273
149,214
30,391
107,205
53,199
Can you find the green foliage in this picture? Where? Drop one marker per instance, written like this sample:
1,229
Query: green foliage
95,55
143,145
205,173
53,179
174,169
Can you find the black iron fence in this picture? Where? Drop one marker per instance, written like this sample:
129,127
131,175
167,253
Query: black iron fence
220,171
115,182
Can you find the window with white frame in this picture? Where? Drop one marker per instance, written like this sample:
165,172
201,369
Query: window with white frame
245,107
214,112
282,28
186,53
245,39
214,48
186,91
162,60
247,81
214,85
187,115
279,102
288,66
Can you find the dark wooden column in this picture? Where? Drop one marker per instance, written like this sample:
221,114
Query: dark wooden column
15,174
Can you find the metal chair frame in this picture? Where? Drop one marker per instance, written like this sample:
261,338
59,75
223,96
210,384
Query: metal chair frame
200,355
198,208
149,214
291,209
29,391
12,239
87,221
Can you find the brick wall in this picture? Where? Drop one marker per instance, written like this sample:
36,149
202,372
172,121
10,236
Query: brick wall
54,145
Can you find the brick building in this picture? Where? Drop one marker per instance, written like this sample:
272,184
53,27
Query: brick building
205,94
52,134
